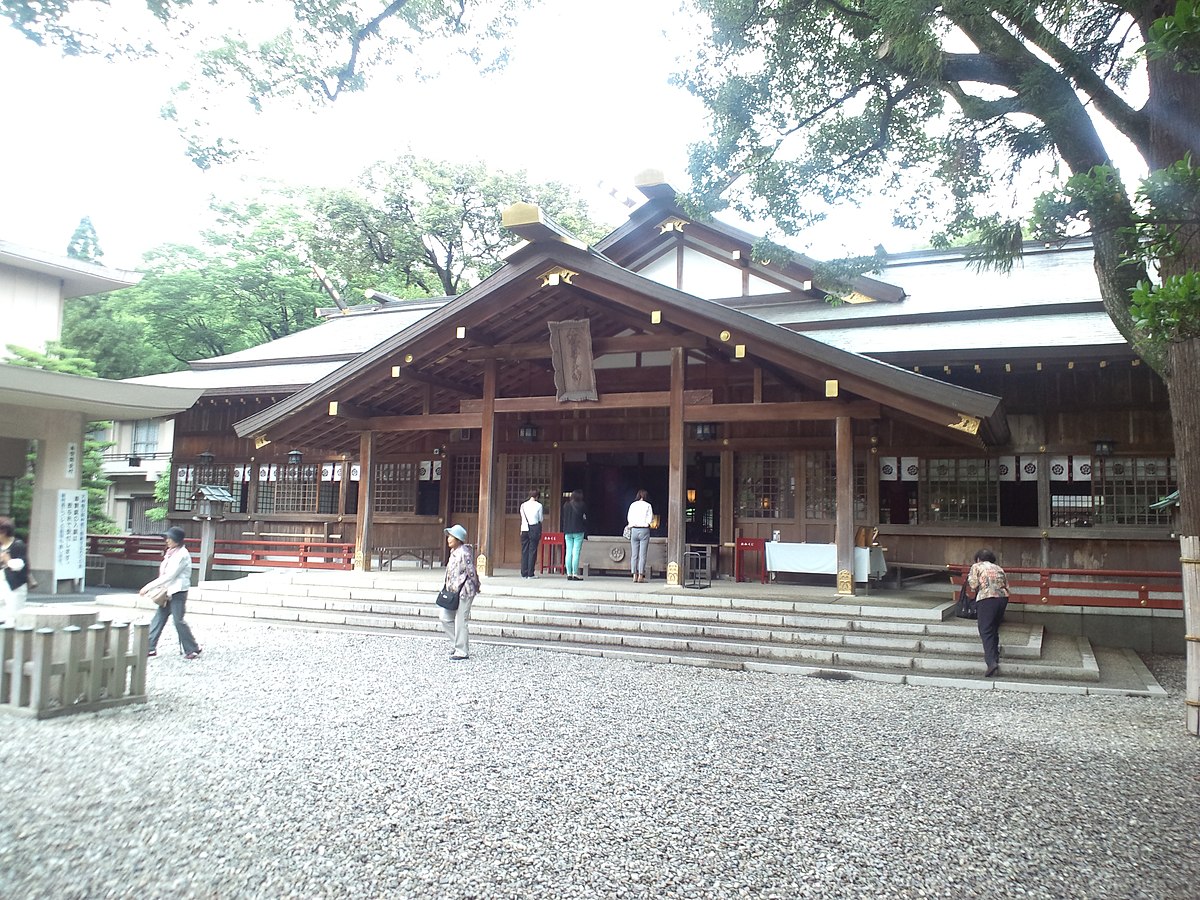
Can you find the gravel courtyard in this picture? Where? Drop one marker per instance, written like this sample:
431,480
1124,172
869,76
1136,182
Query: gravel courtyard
292,764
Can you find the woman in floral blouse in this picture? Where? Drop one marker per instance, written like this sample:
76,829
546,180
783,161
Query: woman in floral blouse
990,585
461,576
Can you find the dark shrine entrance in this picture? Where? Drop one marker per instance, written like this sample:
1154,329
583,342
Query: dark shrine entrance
610,482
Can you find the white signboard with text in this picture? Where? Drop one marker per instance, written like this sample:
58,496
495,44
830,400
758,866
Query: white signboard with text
70,543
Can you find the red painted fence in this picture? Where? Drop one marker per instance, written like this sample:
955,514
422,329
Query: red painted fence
300,554
1089,587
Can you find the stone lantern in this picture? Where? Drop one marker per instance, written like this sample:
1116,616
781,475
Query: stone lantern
208,505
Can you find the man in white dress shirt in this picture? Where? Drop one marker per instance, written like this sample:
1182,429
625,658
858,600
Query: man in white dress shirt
531,532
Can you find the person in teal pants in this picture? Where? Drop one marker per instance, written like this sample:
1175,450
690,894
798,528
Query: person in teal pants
574,526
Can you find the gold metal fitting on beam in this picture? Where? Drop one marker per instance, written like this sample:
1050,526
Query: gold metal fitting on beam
672,224
831,387
395,371
333,407
557,276
969,424
656,317
739,351
460,332
725,336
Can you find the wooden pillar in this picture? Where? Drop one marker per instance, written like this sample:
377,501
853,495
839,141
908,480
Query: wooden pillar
675,479
487,472
363,548
728,509
845,506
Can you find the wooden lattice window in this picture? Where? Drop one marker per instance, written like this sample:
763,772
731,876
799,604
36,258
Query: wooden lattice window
820,487
1124,487
766,486
526,473
296,488
959,490
465,496
396,487
6,496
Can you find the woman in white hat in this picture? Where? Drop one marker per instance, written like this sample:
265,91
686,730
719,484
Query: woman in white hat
461,576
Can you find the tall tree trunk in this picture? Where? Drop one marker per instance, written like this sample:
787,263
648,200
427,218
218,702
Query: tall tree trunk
1173,107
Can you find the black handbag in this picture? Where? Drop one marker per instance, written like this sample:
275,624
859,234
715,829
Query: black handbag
447,599
968,608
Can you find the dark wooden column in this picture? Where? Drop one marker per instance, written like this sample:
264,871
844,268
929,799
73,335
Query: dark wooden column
728,509
487,471
845,505
675,523
366,501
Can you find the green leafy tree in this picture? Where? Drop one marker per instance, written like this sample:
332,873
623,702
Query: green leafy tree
57,358
953,108
318,49
415,227
162,497
249,282
84,244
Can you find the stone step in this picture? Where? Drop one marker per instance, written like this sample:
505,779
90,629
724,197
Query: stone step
1018,641
855,640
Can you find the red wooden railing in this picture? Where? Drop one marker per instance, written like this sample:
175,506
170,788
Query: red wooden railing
1090,587
302,554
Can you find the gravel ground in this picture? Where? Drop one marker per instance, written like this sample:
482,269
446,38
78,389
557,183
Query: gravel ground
291,764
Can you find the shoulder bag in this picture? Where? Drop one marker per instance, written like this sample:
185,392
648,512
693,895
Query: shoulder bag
628,532
160,596
447,599
967,605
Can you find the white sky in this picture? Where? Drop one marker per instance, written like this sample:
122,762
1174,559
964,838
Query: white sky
585,100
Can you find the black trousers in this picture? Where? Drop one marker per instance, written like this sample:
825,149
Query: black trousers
991,617
529,548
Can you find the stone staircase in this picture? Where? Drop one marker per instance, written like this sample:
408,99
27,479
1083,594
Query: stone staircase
777,630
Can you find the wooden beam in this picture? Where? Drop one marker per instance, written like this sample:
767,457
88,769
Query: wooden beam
641,400
633,343
796,411
437,422
445,384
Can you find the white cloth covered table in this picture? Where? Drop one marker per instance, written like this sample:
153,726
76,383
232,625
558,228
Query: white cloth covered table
821,559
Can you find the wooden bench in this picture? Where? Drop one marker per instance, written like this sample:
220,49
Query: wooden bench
425,557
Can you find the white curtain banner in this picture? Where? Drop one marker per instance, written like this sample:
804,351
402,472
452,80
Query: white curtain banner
1028,470
1060,468
909,468
1007,466
888,468
1081,468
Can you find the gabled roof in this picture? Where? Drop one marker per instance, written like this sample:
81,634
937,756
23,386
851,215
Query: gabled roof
79,278
297,360
554,279
650,229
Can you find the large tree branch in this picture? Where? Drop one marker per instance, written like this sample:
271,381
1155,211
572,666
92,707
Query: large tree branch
347,72
1132,123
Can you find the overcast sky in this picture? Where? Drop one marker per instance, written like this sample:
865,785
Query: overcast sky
585,100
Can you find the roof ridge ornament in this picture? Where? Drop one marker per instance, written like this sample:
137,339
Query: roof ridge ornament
527,221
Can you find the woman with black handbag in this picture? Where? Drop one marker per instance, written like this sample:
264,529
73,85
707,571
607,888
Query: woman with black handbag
989,585
461,579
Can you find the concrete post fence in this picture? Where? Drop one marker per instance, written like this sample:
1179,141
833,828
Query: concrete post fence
47,672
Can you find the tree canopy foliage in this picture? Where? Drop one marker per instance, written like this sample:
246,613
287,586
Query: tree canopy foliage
434,228
260,51
411,228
